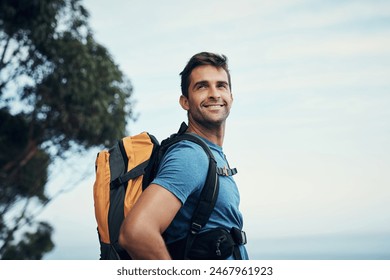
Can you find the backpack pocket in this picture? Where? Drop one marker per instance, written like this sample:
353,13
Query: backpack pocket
214,244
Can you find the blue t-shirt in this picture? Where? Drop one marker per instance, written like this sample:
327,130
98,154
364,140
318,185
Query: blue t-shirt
183,172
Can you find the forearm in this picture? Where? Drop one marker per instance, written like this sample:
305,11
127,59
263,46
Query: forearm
144,245
150,248
141,231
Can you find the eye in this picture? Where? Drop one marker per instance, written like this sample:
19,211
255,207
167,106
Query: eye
200,86
223,85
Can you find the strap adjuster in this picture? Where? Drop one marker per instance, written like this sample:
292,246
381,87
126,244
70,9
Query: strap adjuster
239,236
195,228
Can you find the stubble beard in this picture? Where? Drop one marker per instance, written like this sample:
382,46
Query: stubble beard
209,122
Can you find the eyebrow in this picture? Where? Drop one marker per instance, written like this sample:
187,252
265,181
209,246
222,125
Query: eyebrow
205,82
223,83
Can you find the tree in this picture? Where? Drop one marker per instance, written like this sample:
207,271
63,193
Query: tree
60,91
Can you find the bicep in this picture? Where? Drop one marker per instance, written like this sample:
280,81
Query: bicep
183,170
155,209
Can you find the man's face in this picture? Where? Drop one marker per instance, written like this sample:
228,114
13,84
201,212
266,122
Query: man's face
209,97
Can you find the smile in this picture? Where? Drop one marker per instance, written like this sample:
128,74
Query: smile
214,106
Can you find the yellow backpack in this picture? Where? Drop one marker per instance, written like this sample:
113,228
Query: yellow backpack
125,170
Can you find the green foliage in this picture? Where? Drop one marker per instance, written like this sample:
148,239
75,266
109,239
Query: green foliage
32,246
90,94
30,180
58,88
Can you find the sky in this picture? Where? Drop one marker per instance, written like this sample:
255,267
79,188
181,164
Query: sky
309,131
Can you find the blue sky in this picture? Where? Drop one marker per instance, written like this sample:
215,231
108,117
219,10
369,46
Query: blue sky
309,130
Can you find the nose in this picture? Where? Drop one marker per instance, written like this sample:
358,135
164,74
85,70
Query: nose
214,93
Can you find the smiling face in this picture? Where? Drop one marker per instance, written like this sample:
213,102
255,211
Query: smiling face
209,97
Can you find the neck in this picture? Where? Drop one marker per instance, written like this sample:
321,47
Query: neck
214,134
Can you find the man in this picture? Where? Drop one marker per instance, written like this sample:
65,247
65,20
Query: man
162,214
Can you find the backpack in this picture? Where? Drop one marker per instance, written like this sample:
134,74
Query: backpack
125,170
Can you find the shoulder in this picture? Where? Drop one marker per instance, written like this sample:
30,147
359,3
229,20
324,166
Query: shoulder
183,169
188,151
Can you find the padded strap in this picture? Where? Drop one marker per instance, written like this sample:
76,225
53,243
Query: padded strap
210,191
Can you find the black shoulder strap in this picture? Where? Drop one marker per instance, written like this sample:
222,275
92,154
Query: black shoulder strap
209,194
210,190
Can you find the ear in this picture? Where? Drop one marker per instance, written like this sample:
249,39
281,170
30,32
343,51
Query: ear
184,102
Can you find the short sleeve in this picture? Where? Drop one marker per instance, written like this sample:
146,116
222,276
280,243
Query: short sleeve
183,170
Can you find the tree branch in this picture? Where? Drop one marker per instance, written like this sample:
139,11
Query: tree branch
22,160
2,64
10,233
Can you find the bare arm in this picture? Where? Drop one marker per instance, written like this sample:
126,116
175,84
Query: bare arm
141,231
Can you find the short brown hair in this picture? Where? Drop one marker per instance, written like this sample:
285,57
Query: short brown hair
203,58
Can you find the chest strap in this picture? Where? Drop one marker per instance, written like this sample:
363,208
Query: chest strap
225,171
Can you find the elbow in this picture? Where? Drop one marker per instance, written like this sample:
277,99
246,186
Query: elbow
126,238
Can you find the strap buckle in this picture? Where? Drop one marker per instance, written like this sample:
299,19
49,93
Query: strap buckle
226,171
195,228
239,236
